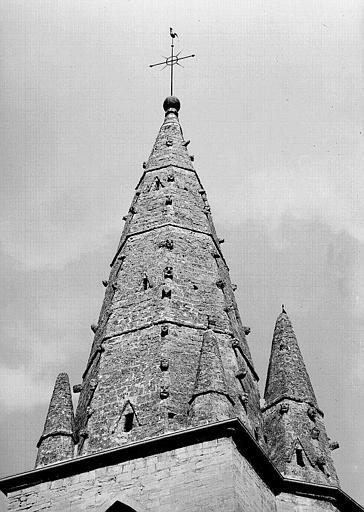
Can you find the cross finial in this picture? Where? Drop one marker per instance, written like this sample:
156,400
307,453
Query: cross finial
172,60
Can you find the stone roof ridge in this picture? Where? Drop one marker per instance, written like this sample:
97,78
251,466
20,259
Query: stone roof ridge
287,374
170,148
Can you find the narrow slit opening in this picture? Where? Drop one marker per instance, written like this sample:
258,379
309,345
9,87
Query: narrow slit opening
128,424
299,458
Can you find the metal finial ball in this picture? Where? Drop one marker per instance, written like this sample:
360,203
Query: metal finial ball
171,102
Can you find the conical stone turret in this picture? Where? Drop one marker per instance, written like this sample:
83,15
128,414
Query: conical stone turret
168,284
293,423
57,441
211,399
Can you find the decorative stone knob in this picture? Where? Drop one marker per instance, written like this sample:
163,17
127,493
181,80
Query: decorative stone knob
244,398
334,445
164,365
315,433
83,433
93,383
320,460
164,330
241,374
284,408
312,413
164,393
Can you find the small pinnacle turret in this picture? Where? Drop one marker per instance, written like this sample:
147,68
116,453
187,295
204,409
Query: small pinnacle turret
293,423
211,399
57,441
287,375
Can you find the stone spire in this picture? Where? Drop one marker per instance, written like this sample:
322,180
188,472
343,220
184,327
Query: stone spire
293,423
169,311
57,441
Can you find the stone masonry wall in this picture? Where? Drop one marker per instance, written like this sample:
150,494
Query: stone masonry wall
292,503
210,476
197,478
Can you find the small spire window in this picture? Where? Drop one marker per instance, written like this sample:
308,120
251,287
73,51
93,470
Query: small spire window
299,457
128,421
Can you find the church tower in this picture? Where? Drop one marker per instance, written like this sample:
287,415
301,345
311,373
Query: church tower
168,415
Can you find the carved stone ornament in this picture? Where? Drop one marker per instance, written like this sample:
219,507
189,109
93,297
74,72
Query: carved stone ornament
83,433
168,273
168,244
90,411
284,408
315,433
164,393
312,413
320,460
211,322
244,398
241,373
164,365
235,343
334,445
164,330
93,383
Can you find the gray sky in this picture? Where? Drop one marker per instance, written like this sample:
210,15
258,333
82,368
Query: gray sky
273,106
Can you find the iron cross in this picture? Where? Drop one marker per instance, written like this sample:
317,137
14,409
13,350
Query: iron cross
172,60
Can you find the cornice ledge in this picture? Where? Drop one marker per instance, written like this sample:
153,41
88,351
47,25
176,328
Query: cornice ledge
233,428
